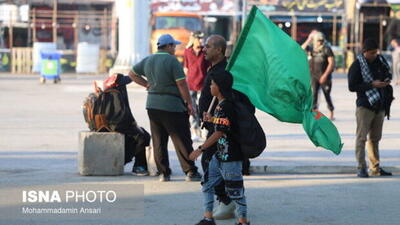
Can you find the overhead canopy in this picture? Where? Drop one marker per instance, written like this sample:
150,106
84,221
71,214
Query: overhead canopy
300,7
197,6
234,6
372,1
301,19
72,2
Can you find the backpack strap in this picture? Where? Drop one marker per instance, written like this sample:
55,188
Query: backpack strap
101,123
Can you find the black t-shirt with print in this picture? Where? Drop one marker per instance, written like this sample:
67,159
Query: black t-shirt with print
228,149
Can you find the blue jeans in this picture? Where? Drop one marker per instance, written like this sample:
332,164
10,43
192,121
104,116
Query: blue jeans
231,173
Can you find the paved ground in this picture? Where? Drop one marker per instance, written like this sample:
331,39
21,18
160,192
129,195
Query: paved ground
43,121
39,141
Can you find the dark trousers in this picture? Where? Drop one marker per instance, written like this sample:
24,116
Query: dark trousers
326,89
164,124
196,117
246,166
135,146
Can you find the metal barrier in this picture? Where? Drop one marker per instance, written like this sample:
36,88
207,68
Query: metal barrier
21,60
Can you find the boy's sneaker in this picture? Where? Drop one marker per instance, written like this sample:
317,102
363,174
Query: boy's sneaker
224,212
193,176
380,172
206,222
164,178
139,171
248,223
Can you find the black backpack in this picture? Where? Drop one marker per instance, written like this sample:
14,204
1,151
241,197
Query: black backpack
250,135
105,111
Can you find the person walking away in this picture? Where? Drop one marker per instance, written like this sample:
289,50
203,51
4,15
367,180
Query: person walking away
168,106
369,76
322,64
195,67
226,163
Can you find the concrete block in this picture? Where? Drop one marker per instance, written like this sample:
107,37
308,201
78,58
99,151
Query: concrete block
101,153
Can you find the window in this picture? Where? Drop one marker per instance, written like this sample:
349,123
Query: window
174,22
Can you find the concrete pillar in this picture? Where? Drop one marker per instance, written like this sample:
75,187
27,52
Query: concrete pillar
133,33
101,153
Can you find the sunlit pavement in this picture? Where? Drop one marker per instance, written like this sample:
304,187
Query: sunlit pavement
39,142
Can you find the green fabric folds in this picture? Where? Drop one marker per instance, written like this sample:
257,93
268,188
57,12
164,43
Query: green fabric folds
272,70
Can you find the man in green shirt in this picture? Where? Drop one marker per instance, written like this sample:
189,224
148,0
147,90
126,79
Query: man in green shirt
168,106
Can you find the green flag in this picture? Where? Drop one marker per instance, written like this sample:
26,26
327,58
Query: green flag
272,70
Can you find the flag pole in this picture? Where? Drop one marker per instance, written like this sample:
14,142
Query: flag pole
209,110
244,12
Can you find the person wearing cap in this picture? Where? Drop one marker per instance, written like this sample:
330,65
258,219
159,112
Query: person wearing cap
322,64
168,106
369,76
226,163
195,67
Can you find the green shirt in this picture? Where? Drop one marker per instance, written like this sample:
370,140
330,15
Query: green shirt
162,70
